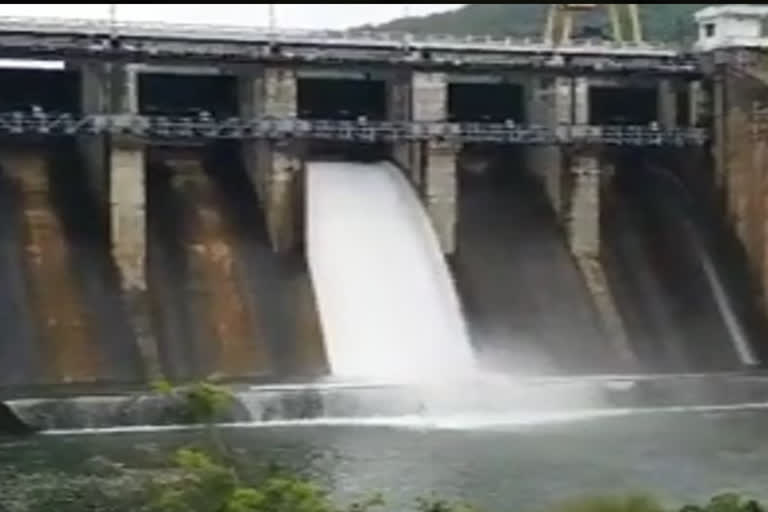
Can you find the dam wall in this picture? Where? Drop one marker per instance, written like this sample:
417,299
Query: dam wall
737,95
185,257
61,309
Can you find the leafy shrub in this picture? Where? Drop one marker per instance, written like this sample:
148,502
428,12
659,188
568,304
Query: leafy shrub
203,402
438,505
207,486
728,502
73,493
634,503
206,401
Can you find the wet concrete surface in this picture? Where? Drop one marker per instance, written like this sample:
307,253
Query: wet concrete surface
658,278
528,308
57,300
225,304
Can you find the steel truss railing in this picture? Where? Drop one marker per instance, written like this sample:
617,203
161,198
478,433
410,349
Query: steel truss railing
163,127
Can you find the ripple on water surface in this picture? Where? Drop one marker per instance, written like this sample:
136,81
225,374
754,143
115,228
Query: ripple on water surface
680,456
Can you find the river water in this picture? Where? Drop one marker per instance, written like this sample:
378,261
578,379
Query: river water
678,456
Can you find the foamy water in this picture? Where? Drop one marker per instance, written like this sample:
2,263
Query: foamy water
426,422
387,303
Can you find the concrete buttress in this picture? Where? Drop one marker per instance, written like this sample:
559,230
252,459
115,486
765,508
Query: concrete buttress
127,198
273,166
440,191
667,104
427,101
433,164
583,232
94,94
572,185
399,109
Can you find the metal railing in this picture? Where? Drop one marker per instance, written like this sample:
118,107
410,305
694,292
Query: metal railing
163,127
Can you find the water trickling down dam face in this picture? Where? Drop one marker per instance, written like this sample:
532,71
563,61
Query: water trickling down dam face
126,258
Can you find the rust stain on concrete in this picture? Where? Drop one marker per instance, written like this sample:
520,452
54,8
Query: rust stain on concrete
240,346
57,302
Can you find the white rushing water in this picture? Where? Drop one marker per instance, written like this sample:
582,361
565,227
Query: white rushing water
387,303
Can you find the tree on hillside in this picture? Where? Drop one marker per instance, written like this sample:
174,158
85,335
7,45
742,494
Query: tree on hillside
663,22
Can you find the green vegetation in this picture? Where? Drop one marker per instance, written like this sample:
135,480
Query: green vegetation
663,22
203,402
197,482
208,486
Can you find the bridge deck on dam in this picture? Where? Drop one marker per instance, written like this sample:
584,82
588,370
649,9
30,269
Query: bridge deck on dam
193,32
48,38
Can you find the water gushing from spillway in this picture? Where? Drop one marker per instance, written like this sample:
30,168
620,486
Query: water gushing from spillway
388,306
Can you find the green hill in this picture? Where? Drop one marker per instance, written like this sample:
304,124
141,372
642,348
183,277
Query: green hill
667,22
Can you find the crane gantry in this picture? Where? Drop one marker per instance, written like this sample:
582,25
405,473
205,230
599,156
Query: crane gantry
559,26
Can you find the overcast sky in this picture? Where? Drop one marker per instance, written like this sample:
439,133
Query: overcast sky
288,15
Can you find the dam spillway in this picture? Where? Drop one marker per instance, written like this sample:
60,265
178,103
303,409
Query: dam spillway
658,269
64,324
386,299
181,226
528,308
221,297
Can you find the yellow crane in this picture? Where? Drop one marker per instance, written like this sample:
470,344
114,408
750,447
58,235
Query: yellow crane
559,25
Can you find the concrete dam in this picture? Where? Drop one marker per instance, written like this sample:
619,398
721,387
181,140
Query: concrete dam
260,212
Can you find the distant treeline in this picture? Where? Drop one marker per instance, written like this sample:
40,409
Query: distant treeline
661,22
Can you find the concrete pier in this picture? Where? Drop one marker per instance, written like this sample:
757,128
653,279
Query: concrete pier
572,184
554,102
129,244
250,90
698,103
94,99
273,166
282,205
440,191
399,109
548,102
433,165
667,103
583,216
583,235
127,201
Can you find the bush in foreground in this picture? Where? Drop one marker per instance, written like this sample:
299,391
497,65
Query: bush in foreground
196,482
